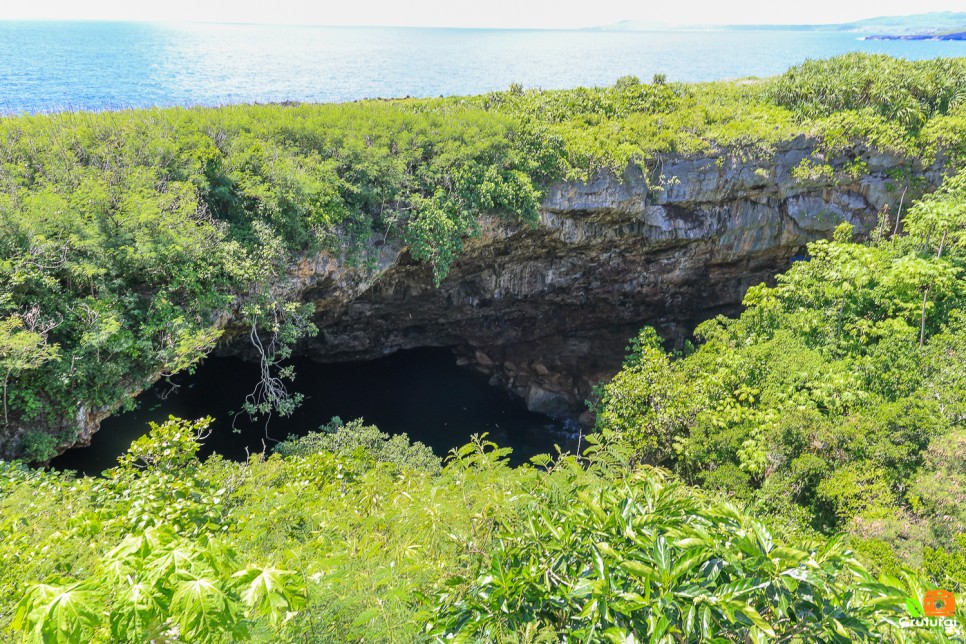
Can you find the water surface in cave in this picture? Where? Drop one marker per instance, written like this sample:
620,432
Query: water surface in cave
422,393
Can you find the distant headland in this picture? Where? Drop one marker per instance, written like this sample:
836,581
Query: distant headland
954,35
945,25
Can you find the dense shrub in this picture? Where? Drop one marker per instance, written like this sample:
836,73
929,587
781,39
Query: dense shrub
646,559
128,238
906,92
333,547
835,401
355,438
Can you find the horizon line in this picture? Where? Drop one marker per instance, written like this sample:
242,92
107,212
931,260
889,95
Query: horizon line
613,26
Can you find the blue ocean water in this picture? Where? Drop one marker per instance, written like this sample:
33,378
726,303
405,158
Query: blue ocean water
47,66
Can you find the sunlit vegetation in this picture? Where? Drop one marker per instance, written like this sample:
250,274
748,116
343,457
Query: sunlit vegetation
795,474
835,403
125,237
343,546
907,93
128,238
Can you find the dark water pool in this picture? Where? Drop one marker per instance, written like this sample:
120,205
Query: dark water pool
420,392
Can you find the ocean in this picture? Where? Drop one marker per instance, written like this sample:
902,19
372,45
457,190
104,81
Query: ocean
53,66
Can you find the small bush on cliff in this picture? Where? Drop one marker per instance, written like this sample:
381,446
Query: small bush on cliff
366,440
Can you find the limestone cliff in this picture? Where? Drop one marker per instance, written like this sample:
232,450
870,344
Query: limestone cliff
547,311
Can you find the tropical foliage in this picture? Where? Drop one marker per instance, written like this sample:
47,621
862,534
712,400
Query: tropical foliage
332,547
906,92
836,402
128,240
794,474
647,560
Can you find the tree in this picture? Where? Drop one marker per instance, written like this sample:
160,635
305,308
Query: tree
645,403
940,218
21,349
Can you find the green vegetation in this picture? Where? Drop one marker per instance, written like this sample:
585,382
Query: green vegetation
126,237
342,546
908,93
129,239
836,402
811,451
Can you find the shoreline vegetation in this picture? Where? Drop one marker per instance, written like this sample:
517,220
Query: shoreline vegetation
796,474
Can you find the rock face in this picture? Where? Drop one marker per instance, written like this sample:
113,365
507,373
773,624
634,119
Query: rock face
547,311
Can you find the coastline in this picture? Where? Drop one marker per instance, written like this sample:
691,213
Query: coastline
954,36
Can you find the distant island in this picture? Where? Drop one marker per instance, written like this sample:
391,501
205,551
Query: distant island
954,35
945,25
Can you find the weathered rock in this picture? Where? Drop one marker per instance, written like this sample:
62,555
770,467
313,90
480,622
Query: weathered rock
547,311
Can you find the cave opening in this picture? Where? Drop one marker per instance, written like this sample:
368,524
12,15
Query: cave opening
421,392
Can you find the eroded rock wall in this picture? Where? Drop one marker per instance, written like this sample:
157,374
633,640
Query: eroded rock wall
547,311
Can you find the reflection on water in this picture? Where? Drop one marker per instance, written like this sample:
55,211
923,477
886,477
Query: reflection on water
97,65
421,392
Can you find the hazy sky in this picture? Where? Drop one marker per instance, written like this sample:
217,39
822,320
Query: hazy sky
478,13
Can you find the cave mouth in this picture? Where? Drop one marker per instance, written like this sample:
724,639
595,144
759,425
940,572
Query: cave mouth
420,392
